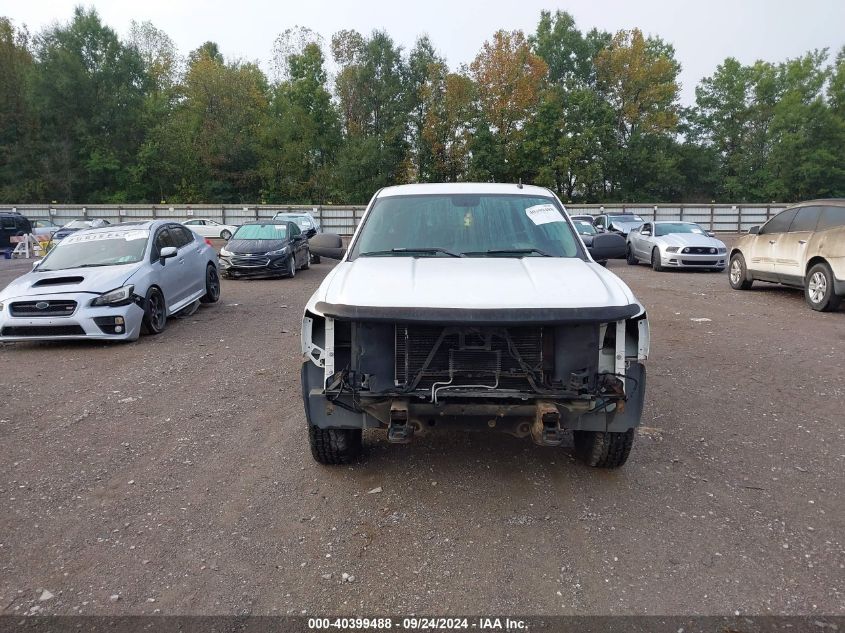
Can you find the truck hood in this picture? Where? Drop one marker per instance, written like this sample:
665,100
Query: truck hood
472,283
89,280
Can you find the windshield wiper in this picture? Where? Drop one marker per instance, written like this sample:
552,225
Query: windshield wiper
393,251
510,251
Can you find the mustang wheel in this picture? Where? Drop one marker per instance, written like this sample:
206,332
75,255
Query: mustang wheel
818,289
212,285
655,260
738,276
155,312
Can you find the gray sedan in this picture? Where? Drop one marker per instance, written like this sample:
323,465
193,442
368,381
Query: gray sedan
676,245
110,283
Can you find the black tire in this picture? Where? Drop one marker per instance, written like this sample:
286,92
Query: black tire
630,258
601,449
818,289
155,312
307,263
292,266
738,276
212,285
315,259
334,446
225,234
655,259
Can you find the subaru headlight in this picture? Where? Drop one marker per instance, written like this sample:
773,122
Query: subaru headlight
117,297
672,249
225,253
280,251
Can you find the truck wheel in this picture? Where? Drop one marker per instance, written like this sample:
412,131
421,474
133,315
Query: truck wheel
818,289
334,446
603,449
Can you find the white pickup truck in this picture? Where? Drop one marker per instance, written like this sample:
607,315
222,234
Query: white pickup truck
473,306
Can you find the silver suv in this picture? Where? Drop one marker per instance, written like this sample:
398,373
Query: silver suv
802,246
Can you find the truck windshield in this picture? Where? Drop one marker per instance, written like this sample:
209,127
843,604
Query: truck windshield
466,225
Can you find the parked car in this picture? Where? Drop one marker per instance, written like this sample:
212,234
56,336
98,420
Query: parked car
617,222
473,306
110,283
587,231
44,229
209,228
266,248
676,245
306,222
582,217
803,247
78,225
12,224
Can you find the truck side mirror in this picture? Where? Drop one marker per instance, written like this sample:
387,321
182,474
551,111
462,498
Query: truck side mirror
327,245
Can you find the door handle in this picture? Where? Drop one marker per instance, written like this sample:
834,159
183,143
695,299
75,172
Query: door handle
802,242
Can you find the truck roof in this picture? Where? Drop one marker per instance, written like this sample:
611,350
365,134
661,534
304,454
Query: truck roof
464,187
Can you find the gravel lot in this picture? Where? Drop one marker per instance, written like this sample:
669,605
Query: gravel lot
173,474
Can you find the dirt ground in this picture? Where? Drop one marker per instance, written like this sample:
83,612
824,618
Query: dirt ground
173,475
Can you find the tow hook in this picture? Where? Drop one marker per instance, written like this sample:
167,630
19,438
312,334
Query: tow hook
399,431
546,429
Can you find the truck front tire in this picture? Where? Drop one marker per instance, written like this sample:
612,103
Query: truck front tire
334,446
601,449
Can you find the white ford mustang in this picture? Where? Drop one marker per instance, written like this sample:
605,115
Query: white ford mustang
676,245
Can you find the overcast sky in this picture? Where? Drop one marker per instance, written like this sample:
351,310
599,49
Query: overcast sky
703,32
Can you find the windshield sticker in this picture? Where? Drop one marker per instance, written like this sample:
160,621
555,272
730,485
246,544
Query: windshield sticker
109,235
543,214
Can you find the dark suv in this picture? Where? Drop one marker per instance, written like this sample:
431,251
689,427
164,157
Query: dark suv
12,223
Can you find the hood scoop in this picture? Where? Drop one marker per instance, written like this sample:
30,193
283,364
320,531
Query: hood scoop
58,281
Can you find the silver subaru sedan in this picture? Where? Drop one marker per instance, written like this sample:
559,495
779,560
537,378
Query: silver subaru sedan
111,283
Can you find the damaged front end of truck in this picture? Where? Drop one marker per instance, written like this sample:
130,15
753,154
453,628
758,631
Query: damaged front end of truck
534,373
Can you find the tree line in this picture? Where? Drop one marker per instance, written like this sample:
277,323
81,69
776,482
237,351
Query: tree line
88,116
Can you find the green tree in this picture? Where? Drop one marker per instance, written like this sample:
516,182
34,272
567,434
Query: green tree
302,134
89,91
509,79
18,123
372,94
209,149
425,76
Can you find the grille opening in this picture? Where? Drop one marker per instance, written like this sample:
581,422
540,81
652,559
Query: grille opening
42,330
52,308
468,354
